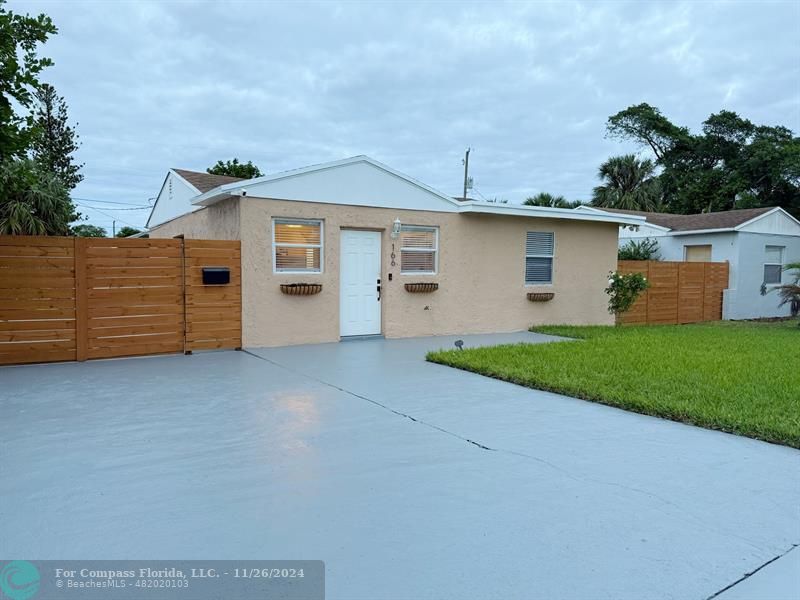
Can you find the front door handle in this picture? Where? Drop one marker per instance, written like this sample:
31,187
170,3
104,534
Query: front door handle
379,290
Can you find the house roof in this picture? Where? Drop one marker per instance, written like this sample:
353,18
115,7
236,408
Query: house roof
445,203
728,219
204,182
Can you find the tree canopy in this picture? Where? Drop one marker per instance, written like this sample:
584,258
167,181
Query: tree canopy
33,201
20,67
84,230
628,183
36,171
54,140
128,231
546,199
731,163
233,168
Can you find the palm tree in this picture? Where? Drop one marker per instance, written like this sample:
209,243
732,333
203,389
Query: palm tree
790,292
33,201
628,183
545,199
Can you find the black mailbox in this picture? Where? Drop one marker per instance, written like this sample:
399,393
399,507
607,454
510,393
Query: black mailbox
216,275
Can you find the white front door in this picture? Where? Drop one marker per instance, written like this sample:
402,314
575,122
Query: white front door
359,280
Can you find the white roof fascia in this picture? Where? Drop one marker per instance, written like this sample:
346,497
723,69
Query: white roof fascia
693,231
654,226
584,208
546,212
766,214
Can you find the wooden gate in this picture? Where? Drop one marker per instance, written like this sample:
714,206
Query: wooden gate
680,292
84,298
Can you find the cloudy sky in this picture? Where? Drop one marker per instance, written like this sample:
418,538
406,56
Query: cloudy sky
528,86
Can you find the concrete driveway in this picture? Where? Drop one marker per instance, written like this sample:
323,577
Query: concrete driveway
410,480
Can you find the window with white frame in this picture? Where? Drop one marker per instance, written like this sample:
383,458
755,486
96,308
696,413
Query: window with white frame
539,246
297,245
773,264
419,249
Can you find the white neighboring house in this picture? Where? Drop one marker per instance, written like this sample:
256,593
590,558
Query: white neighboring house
179,187
757,242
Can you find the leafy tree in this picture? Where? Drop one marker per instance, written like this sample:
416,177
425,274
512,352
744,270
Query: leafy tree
731,163
19,71
628,183
85,230
128,231
54,141
234,168
646,249
33,201
545,199
645,125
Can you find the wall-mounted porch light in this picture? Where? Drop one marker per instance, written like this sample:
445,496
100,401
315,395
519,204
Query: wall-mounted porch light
396,229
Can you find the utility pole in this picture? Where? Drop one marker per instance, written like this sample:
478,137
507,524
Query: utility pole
113,229
466,172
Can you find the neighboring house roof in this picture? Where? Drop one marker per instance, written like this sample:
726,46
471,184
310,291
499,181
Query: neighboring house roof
204,182
289,185
727,219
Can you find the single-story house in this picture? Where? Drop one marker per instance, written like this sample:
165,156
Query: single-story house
756,242
364,232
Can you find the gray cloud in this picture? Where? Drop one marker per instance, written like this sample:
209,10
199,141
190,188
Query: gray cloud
528,86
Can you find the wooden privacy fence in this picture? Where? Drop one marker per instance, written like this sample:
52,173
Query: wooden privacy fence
680,292
82,298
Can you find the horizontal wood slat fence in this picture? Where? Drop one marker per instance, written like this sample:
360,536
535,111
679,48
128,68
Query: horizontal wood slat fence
680,292
82,298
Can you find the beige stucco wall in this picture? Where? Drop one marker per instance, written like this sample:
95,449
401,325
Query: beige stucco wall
481,275
217,222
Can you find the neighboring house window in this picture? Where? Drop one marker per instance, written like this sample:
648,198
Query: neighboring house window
539,247
699,253
419,249
297,245
773,264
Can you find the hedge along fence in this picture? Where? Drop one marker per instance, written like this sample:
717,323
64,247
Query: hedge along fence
679,292
84,298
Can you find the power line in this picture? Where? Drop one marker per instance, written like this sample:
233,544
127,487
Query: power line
114,218
107,208
109,202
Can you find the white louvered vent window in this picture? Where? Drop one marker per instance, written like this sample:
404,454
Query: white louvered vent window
297,245
539,247
419,249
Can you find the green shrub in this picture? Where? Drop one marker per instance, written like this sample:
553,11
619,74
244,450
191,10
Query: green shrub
645,249
623,290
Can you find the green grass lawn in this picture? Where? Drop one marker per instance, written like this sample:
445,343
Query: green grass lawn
739,377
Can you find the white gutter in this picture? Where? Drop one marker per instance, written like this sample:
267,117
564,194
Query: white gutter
546,212
674,232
